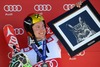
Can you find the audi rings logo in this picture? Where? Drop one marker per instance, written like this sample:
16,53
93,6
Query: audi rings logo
67,7
51,63
19,31
12,8
42,7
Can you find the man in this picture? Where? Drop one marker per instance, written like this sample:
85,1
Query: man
35,26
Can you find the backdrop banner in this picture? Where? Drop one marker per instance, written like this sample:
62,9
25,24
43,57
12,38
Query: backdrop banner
14,11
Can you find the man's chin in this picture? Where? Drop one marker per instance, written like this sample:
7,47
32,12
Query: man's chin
41,38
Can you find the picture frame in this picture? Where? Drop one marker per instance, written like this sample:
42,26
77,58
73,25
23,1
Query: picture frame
78,28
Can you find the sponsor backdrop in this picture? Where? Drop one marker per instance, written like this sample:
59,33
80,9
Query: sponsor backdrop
14,11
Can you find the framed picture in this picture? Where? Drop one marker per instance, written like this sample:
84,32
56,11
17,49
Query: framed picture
78,28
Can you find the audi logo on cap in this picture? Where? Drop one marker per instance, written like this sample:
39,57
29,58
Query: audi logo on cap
42,7
12,8
19,31
67,7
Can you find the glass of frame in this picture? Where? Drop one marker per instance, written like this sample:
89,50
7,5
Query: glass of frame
78,28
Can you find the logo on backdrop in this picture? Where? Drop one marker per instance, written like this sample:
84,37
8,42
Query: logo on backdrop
10,9
42,7
81,54
51,63
19,31
67,7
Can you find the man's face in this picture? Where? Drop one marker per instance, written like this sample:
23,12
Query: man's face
39,30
